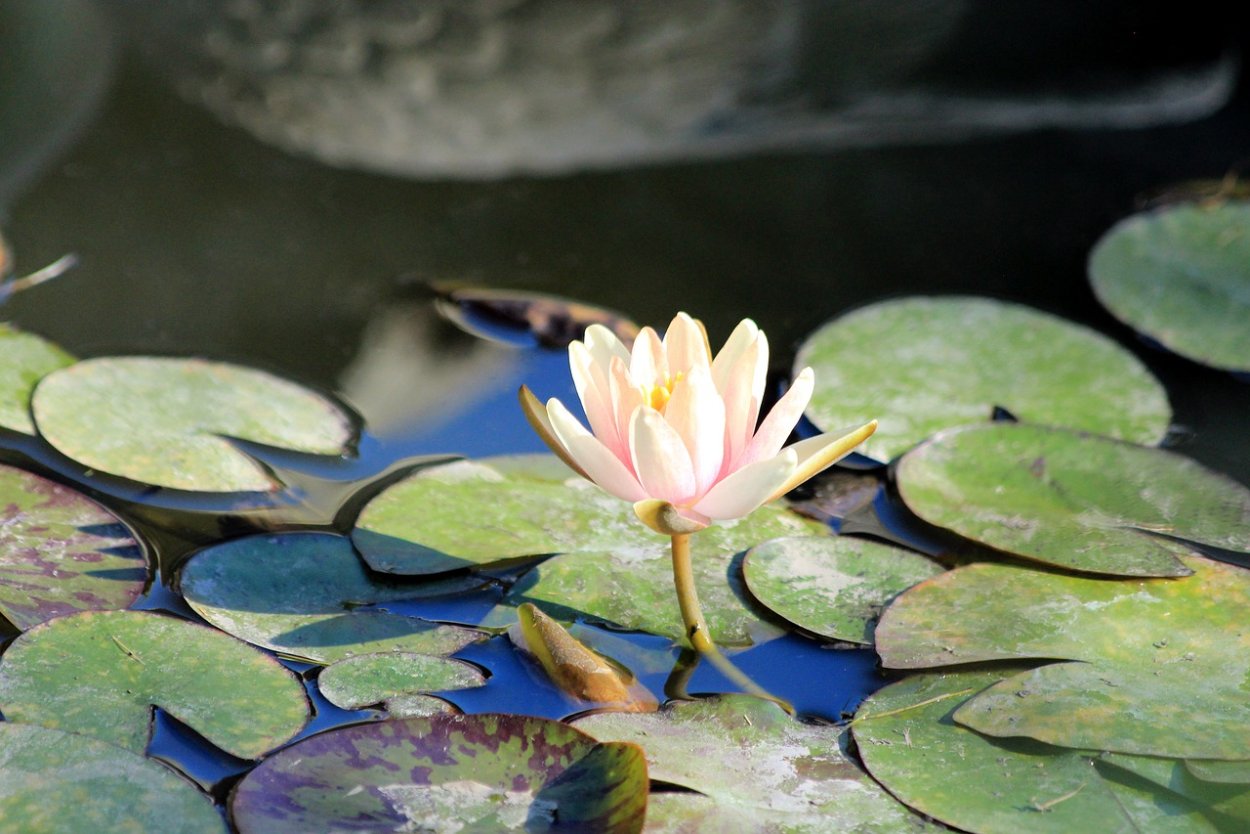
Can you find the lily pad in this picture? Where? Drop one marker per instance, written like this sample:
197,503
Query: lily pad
61,552
1209,770
65,783
301,594
99,673
552,320
1230,801
921,364
446,773
1181,275
1077,501
379,678
472,513
168,422
757,763
1155,666
24,360
834,587
910,743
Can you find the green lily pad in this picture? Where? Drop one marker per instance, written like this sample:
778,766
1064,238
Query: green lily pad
1230,801
24,360
168,421
301,594
757,763
446,773
368,679
1214,770
1181,275
1159,665
910,743
472,513
1077,501
418,706
65,783
835,586
61,552
99,673
922,364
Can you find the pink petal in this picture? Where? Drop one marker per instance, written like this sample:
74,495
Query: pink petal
598,462
591,381
697,413
602,345
745,490
647,364
741,338
777,426
660,457
743,390
626,398
685,345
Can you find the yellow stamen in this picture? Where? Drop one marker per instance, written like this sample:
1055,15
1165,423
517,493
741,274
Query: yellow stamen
657,396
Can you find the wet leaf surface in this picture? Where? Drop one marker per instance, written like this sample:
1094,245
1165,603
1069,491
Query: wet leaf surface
24,360
1153,666
167,422
921,364
99,673
1229,803
1074,500
61,552
301,594
1181,275
382,677
446,773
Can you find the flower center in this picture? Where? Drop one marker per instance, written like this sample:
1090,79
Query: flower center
658,395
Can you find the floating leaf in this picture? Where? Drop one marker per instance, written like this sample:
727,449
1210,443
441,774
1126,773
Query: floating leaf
1181,275
1078,501
168,421
446,773
65,783
757,764
1161,663
1231,802
100,672
378,678
24,360
922,364
835,586
300,594
61,552
1220,771
553,320
910,744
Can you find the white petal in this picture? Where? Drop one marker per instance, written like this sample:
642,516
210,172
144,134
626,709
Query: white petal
660,457
743,335
598,462
626,398
743,392
748,488
776,428
819,453
647,365
591,381
697,413
685,345
602,345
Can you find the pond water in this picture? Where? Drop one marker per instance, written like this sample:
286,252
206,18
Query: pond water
194,238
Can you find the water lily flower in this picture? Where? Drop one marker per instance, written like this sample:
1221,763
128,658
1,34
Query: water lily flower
677,431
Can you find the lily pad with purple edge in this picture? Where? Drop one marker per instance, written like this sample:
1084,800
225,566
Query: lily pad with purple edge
482,772
832,586
65,783
911,745
1077,501
387,677
1152,667
304,595
757,765
99,673
24,359
61,552
168,422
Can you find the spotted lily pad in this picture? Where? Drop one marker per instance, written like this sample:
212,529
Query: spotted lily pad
65,783
757,764
910,743
1078,501
832,586
61,552
367,679
1181,275
100,672
921,364
301,594
24,360
168,421
447,773
1154,666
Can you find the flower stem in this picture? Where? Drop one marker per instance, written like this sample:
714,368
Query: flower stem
696,627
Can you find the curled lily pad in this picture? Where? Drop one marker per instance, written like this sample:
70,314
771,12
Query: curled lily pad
447,773
61,552
301,594
757,764
1228,802
1213,770
100,672
367,679
24,360
1153,666
832,586
1074,500
937,362
552,320
167,422
65,783
909,742
1181,275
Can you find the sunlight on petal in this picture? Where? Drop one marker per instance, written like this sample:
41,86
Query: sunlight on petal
660,457
819,453
595,459
780,422
748,488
